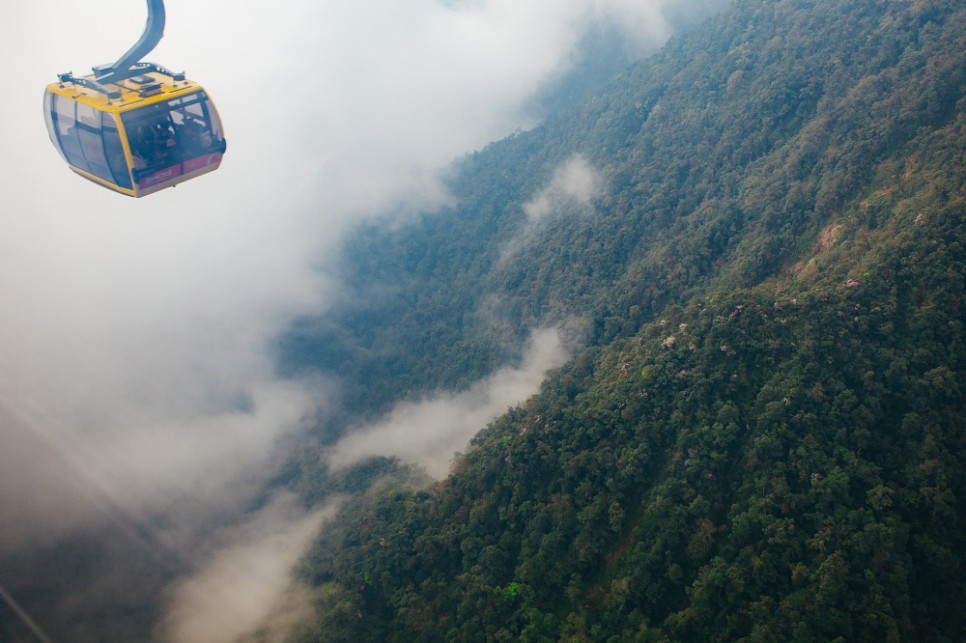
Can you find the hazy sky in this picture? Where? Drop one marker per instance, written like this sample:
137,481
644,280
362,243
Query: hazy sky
135,370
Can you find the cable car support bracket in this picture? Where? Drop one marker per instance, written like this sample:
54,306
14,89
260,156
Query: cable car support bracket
129,65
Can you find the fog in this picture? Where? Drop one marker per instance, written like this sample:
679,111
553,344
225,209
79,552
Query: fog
570,192
574,183
139,392
431,431
247,585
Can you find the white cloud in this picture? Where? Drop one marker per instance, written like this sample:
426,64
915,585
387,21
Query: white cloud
431,431
245,587
570,192
574,183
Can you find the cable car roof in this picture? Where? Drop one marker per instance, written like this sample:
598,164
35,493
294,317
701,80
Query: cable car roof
144,89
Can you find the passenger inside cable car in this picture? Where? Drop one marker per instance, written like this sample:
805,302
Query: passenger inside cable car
180,131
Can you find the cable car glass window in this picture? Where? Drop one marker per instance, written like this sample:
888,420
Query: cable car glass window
49,117
115,151
151,137
213,121
196,131
89,132
67,132
172,132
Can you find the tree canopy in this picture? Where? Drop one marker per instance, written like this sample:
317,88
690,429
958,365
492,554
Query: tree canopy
763,439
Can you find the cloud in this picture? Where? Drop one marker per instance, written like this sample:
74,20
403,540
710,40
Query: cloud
570,192
245,587
429,432
574,183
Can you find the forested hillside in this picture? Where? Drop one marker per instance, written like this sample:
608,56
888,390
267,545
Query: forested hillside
764,439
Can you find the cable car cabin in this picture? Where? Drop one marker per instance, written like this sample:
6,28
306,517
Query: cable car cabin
148,132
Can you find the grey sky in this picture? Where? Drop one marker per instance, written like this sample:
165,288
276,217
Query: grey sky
135,368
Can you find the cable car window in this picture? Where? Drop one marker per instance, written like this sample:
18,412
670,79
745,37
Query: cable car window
67,132
115,151
172,132
214,122
64,108
49,117
151,137
197,132
89,132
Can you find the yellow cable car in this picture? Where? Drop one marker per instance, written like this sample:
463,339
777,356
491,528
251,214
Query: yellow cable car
135,127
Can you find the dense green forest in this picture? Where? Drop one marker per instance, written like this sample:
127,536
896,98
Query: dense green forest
763,438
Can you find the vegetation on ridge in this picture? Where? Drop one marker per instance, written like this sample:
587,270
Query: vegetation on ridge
765,441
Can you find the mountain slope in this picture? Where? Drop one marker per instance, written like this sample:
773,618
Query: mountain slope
765,440
755,130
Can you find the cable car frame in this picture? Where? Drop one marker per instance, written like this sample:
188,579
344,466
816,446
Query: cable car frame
135,127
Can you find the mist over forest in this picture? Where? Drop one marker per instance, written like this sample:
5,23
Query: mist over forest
631,321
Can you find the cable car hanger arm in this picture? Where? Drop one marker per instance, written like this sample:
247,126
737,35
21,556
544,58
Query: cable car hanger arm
124,66
130,63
